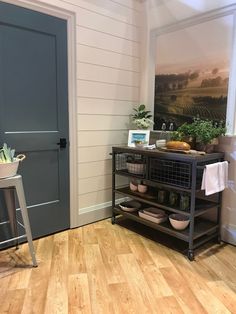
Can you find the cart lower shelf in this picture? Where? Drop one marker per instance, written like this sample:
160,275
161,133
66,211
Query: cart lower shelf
202,227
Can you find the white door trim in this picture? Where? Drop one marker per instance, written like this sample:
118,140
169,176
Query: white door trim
72,105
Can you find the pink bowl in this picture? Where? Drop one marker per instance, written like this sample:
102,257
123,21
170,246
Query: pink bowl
142,188
178,221
133,186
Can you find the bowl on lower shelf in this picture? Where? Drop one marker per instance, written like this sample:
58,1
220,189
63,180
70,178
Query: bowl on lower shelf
178,221
133,186
130,206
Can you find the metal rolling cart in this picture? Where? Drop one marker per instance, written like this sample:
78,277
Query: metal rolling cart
172,172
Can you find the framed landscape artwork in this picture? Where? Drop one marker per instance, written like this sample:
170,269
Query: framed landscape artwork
138,136
192,73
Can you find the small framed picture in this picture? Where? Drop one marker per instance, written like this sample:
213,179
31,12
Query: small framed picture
139,138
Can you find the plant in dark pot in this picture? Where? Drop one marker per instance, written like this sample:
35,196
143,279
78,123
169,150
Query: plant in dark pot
207,133
185,133
200,134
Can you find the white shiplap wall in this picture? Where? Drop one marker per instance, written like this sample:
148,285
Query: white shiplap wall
107,87
108,66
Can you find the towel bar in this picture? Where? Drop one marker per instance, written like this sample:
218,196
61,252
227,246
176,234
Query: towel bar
203,167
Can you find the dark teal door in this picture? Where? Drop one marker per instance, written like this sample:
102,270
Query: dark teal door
34,110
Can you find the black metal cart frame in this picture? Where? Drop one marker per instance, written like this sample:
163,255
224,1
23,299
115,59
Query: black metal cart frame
172,171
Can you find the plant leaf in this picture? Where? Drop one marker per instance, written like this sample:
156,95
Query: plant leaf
141,107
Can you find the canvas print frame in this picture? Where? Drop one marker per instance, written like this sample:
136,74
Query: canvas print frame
138,135
229,96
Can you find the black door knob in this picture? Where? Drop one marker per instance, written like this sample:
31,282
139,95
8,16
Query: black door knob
62,143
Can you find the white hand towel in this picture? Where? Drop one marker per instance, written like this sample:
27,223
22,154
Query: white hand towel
210,179
215,177
223,175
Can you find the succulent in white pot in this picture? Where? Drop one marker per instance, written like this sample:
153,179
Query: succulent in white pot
141,117
8,163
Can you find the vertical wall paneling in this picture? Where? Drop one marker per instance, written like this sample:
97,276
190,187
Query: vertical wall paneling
108,82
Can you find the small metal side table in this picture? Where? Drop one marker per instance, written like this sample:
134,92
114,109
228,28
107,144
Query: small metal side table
10,185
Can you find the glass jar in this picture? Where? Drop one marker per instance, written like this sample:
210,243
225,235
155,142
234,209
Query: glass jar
184,203
162,196
173,199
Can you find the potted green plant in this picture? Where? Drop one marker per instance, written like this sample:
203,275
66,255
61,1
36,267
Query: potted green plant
203,133
207,133
186,133
8,163
141,117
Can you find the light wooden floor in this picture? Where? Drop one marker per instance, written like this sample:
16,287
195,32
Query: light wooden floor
104,268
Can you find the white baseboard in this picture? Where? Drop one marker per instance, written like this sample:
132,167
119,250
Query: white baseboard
228,233
91,216
97,212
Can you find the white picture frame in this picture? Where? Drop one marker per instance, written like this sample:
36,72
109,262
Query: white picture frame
138,135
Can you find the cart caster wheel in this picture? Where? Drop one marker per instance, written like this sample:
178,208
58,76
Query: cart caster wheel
113,220
190,255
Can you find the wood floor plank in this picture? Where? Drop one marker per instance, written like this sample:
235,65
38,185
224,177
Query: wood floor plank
20,280
13,302
151,272
78,292
89,234
109,253
98,288
157,253
76,253
140,251
123,298
35,297
169,305
119,240
182,291
104,269
201,290
57,292
224,294
225,271
227,256
137,283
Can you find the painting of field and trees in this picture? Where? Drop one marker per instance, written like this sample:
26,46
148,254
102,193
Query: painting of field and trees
192,73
